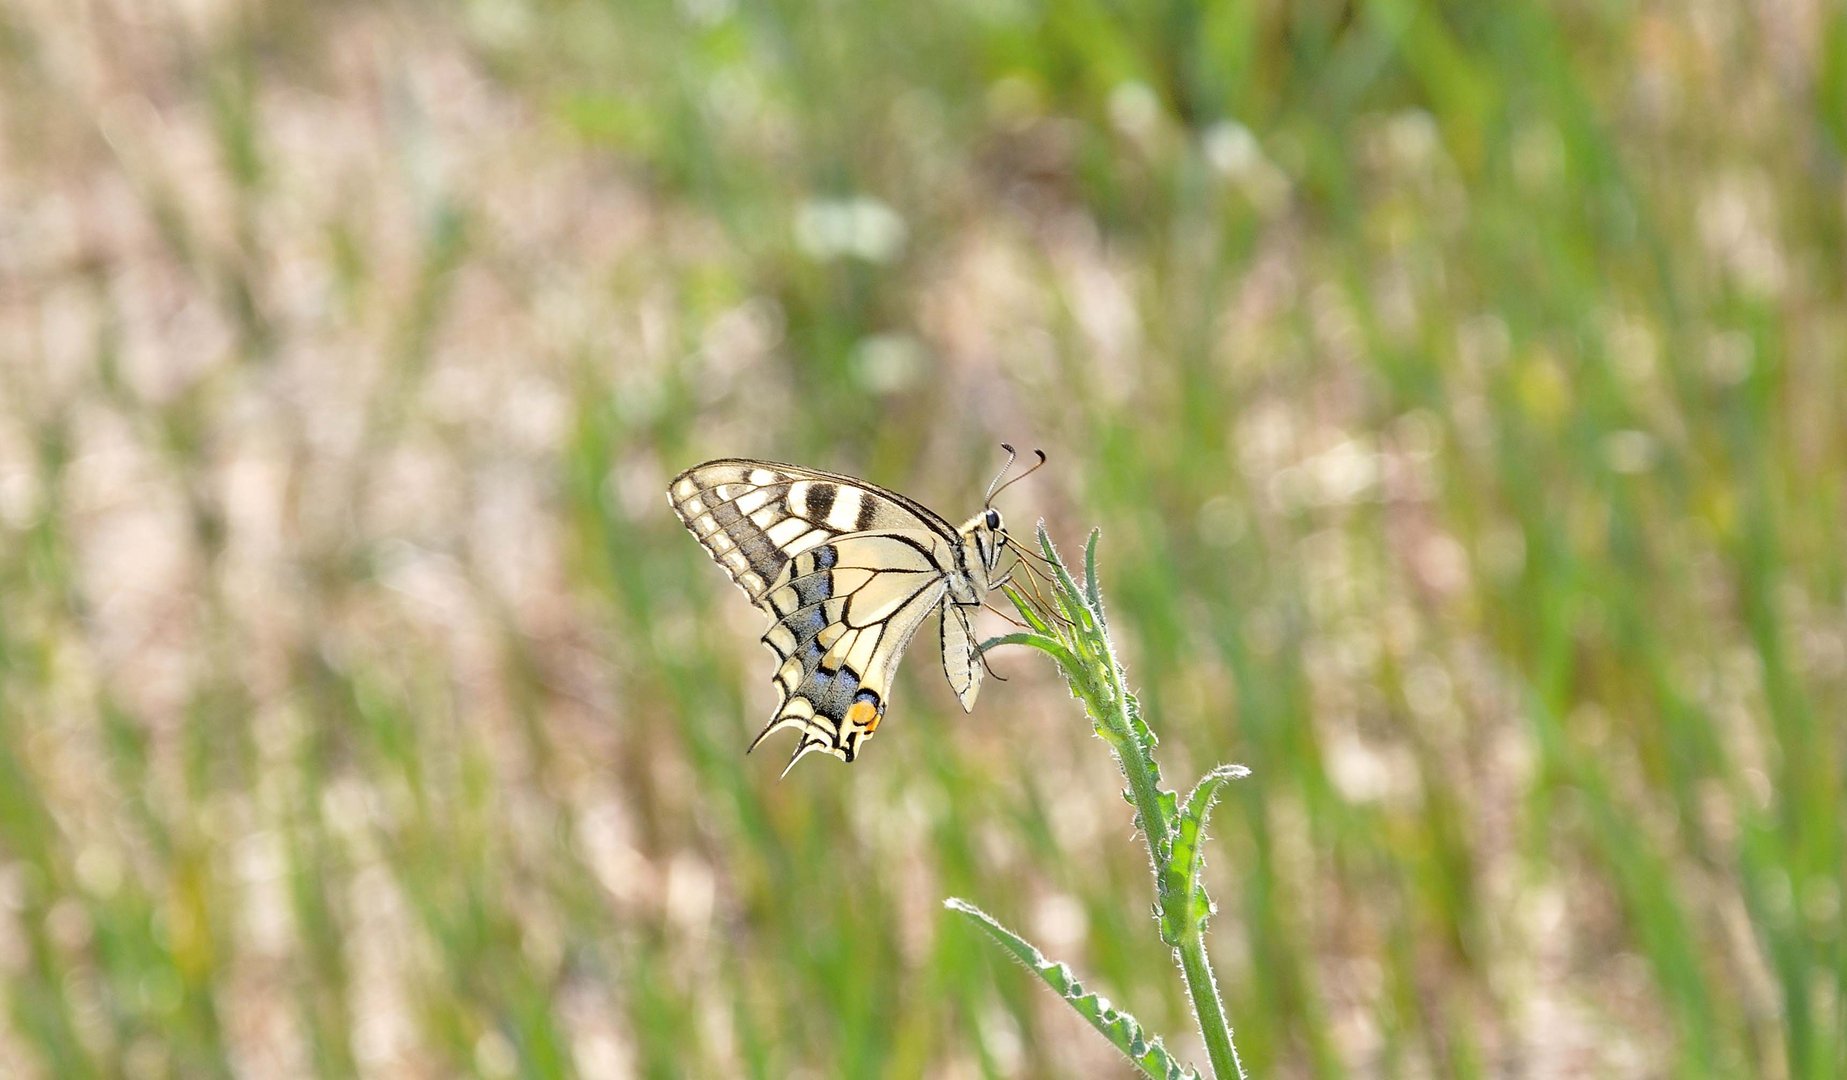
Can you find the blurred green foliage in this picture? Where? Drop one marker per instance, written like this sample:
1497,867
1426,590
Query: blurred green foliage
1460,387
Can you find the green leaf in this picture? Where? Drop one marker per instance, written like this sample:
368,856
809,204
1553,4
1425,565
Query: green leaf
1170,804
1049,646
1018,637
1028,611
1074,605
1121,1029
1091,591
1184,905
1138,727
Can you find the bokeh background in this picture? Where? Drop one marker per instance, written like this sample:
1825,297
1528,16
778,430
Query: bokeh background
1459,388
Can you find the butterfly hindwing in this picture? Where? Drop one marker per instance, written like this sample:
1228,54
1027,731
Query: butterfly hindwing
844,615
961,661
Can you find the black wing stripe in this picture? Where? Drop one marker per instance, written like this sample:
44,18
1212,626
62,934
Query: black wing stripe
814,605
799,472
745,533
820,501
711,506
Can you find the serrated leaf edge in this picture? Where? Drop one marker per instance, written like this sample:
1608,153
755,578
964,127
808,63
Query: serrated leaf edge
1122,1030
1187,857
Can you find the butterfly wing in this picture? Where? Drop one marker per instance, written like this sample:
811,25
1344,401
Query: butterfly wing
754,516
847,572
961,661
844,616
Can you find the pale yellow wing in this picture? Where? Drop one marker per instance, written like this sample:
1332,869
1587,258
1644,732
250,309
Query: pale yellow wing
847,572
961,660
754,516
844,615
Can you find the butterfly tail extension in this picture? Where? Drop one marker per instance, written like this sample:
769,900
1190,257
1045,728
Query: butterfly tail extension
771,728
802,750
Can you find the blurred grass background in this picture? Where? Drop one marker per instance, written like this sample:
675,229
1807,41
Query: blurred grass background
1460,388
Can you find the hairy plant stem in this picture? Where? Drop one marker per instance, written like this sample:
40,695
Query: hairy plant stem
1214,1027
1077,637
1144,786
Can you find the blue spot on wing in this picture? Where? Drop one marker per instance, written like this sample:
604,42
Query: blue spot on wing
806,622
831,691
812,590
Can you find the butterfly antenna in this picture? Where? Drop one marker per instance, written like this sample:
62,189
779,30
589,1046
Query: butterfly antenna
1033,469
994,485
1023,549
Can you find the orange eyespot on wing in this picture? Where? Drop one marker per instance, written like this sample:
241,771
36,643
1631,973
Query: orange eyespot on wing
865,714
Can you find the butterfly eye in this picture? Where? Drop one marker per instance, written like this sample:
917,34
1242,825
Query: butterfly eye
993,519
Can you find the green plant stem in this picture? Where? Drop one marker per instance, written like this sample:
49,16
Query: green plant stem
1214,1026
1070,627
1144,788
1109,706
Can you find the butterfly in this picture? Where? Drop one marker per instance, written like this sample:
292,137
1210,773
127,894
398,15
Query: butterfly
847,571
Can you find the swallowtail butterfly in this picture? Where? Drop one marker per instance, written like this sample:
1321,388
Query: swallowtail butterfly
847,571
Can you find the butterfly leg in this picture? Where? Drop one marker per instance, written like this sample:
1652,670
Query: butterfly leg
1032,590
1005,616
1044,603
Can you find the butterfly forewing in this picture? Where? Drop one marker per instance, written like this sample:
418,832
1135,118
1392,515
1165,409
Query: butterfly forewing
846,571
754,516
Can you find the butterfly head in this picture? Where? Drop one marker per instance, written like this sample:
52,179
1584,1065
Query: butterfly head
985,535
